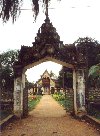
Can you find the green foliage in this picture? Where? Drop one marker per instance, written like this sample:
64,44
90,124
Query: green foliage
94,71
7,60
90,48
52,75
33,101
58,97
94,76
9,8
65,78
67,102
28,84
91,98
98,57
12,8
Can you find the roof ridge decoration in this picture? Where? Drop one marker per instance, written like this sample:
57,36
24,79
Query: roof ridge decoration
46,71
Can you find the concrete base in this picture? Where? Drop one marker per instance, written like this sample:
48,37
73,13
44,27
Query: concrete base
18,114
81,114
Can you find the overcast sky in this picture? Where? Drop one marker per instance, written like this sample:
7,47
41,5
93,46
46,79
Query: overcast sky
72,19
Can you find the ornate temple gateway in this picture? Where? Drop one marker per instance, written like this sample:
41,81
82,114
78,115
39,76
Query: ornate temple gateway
48,47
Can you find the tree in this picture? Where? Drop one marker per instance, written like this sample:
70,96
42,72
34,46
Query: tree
65,78
94,76
7,60
52,75
12,8
98,58
89,48
28,84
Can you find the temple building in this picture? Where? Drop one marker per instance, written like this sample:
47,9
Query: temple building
46,83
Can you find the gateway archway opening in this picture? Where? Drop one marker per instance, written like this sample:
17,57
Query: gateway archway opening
44,75
49,78
46,84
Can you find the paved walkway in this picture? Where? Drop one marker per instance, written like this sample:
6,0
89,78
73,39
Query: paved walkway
48,107
49,119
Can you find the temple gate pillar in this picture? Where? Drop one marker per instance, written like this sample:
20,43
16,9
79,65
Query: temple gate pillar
25,96
19,85
80,91
18,97
75,92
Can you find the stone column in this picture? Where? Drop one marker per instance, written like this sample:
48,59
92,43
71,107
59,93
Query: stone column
24,97
23,80
75,92
18,97
80,91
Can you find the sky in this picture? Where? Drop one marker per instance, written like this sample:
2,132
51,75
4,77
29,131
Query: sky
37,71
71,18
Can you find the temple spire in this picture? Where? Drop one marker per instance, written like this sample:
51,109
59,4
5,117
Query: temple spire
46,13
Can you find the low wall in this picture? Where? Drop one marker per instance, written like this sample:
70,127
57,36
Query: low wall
93,121
94,102
94,94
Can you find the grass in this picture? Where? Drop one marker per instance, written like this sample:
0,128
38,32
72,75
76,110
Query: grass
33,101
66,103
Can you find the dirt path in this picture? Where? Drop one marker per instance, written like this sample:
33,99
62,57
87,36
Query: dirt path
49,119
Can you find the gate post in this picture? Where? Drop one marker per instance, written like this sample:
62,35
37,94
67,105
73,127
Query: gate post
18,97
75,92
80,88
20,104
25,96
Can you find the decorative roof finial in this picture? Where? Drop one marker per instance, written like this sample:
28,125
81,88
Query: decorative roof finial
46,13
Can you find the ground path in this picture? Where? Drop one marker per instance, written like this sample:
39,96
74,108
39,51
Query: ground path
49,119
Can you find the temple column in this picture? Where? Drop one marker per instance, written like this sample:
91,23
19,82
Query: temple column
75,92
80,88
18,97
25,96
19,85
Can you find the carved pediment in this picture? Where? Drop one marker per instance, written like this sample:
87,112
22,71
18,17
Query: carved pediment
47,44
